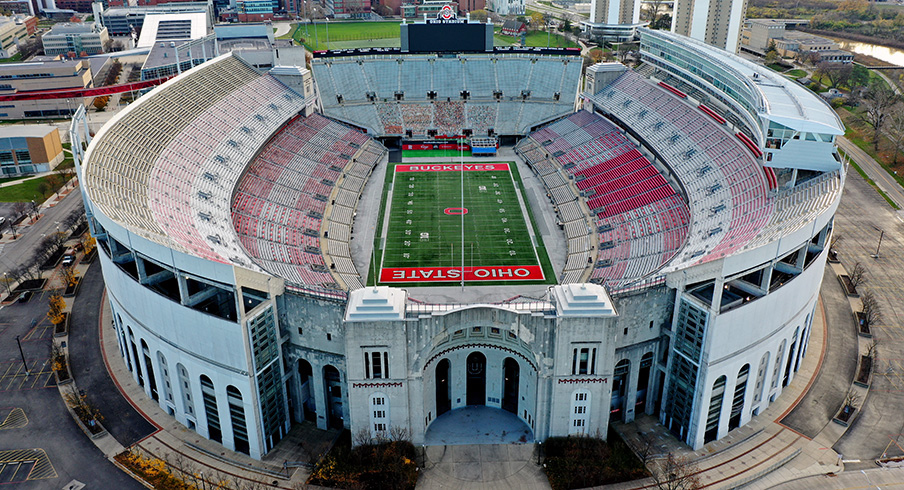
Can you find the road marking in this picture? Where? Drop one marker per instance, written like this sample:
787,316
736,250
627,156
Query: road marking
16,419
36,460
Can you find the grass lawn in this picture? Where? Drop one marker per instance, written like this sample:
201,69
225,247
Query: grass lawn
13,179
427,225
12,59
344,34
533,39
26,191
796,73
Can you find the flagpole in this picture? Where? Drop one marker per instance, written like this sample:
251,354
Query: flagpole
461,152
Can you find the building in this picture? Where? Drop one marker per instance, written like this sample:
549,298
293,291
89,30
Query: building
223,203
160,27
250,11
120,21
25,78
508,7
88,38
22,7
29,150
613,20
254,43
347,9
14,30
715,22
513,28
82,6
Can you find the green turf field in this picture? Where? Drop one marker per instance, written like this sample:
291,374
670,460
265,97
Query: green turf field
424,228
347,34
434,153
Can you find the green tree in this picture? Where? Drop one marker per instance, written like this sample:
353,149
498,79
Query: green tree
479,15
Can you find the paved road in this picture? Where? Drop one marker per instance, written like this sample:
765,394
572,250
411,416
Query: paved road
42,429
123,422
16,252
880,426
873,170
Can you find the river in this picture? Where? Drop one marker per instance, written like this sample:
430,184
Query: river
889,55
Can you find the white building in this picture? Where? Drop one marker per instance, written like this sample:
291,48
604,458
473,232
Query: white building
508,7
615,20
715,22
75,38
223,206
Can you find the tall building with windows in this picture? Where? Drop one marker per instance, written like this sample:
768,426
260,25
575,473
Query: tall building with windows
715,22
614,20
20,79
75,38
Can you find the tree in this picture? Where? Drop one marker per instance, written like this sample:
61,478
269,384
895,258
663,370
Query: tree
100,102
895,131
69,276
479,15
675,473
877,99
857,275
836,73
870,311
654,11
859,76
19,208
536,20
43,188
55,313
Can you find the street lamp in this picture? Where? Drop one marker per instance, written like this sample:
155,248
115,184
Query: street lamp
881,234
6,280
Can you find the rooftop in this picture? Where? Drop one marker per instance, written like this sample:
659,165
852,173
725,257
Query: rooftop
29,131
783,100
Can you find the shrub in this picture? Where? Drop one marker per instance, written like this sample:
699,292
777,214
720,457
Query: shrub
369,466
580,462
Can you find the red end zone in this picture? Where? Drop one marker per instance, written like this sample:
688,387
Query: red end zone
443,167
450,274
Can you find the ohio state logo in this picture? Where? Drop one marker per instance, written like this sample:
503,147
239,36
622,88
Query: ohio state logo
446,13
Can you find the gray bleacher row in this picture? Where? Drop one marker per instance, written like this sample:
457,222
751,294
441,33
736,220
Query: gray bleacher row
726,190
653,240
396,118
290,252
481,75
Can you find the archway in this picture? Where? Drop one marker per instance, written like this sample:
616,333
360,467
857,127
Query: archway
306,392
477,379
333,388
443,393
511,378
152,380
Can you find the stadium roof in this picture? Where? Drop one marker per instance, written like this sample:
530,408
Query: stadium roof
783,100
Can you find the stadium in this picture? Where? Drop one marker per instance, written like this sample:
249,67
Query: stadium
394,235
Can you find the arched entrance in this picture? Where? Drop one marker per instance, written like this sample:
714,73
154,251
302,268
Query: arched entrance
333,388
511,378
477,379
306,392
443,393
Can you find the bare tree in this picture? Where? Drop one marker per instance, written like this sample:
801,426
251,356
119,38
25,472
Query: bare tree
675,473
20,208
851,399
857,275
871,349
877,99
895,131
870,310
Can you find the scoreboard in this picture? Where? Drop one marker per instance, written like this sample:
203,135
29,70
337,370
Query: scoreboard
447,34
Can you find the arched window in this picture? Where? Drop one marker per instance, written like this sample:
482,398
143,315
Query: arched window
778,364
760,388
237,418
379,415
149,366
185,389
715,410
167,387
580,412
737,402
209,396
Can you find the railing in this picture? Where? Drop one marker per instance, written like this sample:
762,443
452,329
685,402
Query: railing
416,309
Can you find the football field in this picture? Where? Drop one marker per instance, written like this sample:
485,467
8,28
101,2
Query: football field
444,222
